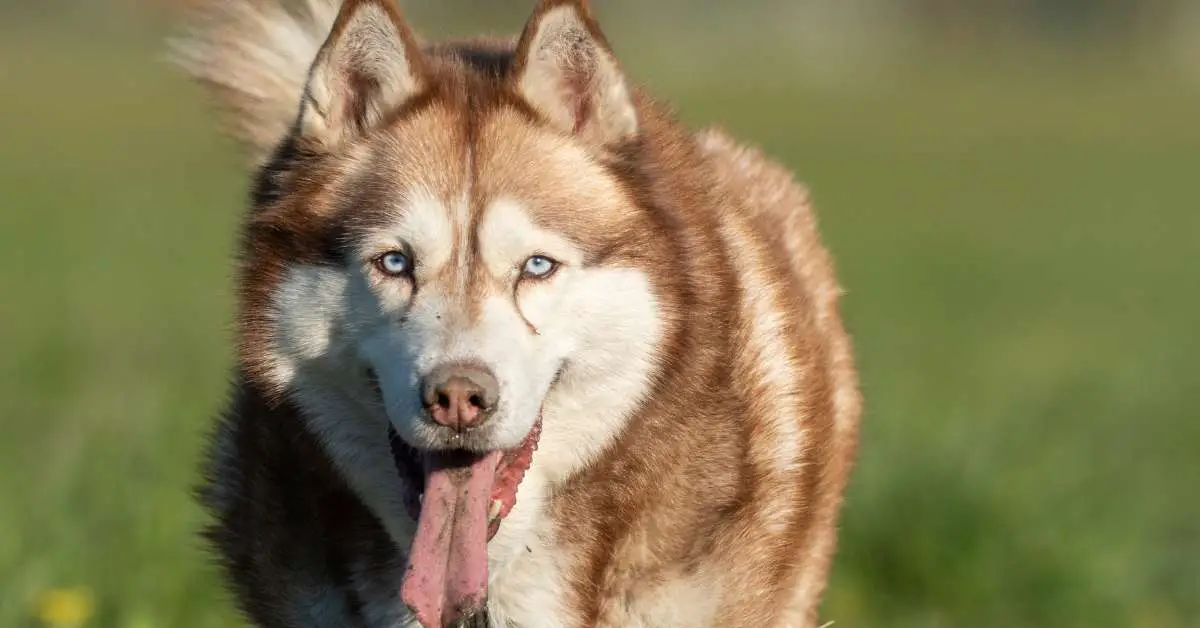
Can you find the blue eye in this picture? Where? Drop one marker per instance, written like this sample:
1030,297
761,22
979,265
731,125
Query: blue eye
539,266
394,263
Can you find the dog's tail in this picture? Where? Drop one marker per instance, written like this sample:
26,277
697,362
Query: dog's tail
253,57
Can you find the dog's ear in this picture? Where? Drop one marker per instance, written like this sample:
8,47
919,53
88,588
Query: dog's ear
566,70
370,64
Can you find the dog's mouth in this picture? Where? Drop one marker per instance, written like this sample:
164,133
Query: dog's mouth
459,499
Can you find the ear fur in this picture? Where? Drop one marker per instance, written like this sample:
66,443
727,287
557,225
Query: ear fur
369,65
566,70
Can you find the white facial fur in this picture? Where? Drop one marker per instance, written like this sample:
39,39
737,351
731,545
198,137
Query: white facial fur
591,330
512,334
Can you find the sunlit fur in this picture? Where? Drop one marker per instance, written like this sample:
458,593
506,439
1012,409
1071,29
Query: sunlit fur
697,391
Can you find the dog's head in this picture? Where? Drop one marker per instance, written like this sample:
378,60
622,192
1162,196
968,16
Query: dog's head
448,225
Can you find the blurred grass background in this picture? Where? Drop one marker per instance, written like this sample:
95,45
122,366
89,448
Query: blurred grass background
1010,190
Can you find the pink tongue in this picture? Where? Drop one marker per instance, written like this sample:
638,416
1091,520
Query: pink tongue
446,579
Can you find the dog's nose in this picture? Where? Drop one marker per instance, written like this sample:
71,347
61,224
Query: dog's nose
460,396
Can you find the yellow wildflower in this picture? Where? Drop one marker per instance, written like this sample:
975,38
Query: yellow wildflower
65,608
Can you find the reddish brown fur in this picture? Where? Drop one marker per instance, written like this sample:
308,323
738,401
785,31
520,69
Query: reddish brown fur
683,487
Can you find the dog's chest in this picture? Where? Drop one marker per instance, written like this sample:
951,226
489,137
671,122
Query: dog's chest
529,588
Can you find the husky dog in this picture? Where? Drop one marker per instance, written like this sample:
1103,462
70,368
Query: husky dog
514,347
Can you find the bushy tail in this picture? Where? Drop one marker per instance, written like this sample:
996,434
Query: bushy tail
253,56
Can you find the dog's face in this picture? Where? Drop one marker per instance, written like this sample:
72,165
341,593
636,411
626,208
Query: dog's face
499,260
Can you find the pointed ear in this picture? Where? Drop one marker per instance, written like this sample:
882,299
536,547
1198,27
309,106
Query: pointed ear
565,69
369,65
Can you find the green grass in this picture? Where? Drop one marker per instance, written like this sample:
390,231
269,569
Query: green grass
1020,246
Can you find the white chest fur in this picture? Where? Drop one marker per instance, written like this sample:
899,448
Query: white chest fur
527,565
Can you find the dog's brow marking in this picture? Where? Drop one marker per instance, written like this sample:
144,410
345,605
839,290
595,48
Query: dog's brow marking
460,210
468,223
464,208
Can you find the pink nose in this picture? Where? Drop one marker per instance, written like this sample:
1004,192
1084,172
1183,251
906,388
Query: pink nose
460,396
